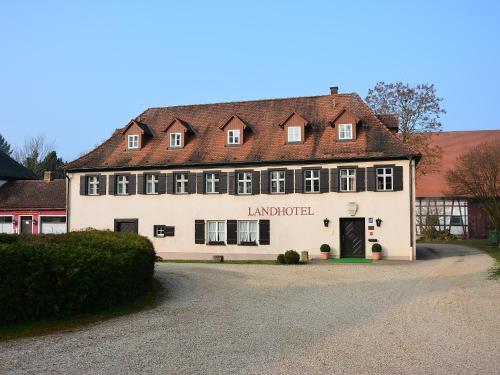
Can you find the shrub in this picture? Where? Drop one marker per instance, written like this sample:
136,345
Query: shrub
325,248
281,259
52,276
291,257
376,248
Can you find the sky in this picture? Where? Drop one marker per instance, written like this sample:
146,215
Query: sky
75,71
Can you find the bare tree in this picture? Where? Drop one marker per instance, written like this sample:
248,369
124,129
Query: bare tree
418,109
477,175
33,153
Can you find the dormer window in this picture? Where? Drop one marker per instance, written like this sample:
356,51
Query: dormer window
175,140
233,137
345,131
133,142
294,135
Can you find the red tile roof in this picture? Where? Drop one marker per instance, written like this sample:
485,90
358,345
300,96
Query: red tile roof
453,144
33,194
265,143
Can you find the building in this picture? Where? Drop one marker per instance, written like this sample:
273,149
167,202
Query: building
461,216
252,179
33,206
11,170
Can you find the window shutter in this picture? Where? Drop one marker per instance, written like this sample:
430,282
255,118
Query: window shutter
371,179
112,184
264,236
141,181
102,184
264,187
232,183
223,183
289,182
83,185
191,183
232,232
360,179
170,183
132,188
200,180
217,183
324,183
299,181
255,182
334,179
199,231
398,178
162,183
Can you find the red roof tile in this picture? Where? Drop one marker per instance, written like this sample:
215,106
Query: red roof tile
33,194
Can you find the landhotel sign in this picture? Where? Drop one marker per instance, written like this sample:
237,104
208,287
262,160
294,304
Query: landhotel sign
281,211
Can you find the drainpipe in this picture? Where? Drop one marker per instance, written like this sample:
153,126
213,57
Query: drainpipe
67,200
412,202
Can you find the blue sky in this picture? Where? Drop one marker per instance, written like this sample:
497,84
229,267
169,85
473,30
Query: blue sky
75,71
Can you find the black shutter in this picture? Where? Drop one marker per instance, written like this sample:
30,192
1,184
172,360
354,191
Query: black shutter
191,183
334,179
199,231
324,184
223,182
132,187
170,183
264,236
360,179
232,183
162,183
217,183
83,185
102,185
371,179
141,181
289,182
112,184
398,178
264,187
299,181
200,179
255,182
232,232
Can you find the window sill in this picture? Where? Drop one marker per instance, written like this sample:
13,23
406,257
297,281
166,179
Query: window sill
253,243
216,243
244,194
146,194
174,147
233,144
277,193
294,143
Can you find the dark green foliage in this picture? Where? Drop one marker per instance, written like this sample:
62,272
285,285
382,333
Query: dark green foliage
5,146
325,248
55,276
292,257
281,259
376,248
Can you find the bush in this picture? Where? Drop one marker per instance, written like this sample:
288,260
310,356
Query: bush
291,257
325,248
53,276
281,259
376,248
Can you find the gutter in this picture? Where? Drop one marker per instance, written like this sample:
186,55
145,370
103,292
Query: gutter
412,203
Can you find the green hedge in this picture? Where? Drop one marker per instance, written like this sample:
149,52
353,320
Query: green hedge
55,276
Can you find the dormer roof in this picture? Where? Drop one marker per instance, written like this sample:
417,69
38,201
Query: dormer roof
340,112
235,117
294,114
185,124
144,128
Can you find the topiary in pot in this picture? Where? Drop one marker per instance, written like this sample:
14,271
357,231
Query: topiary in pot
325,251
376,251
281,259
292,257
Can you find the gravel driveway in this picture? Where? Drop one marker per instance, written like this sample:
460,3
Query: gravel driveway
440,315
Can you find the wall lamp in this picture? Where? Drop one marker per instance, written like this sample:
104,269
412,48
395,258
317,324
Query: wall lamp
378,221
326,222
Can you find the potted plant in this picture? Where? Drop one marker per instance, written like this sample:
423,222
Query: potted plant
376,251
325,251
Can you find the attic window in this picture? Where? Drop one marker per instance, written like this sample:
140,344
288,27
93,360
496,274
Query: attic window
233,137
294,134
133,142
345,131
175,139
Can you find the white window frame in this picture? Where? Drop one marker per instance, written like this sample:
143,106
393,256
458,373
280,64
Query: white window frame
122,185
244,181
233,137
219,232
181,183
42,216
386,174
347,175
310,175
247,231
151,184
294,134
11,223
175,140
277,181
210,183
92,185
133,141
345,131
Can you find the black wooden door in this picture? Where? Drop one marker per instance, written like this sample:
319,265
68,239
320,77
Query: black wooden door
126,225
26,225
352,238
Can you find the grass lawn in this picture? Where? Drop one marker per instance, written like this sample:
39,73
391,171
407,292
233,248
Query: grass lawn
44,327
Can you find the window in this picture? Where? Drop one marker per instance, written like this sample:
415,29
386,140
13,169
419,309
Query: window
456,220
6,224
181,183
247,232
277,182
233,137
347,179
151,184
211,180
311,181
345,131
216,231
92,185
52,224
133,142
384,179
159,230
294,134
122,185
175,139
245,183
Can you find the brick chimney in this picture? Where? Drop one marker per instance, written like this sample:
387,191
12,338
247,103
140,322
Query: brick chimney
334,90
48,176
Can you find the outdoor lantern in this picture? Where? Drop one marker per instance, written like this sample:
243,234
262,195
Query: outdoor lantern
326,222
14,222
35,222
378,221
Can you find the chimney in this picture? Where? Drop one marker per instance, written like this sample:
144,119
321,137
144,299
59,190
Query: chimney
48,176
334,90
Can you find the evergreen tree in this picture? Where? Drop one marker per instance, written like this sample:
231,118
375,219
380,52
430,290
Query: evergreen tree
5,146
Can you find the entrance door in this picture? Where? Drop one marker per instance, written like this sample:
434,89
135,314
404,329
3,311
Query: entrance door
126,225
352,238
26,225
